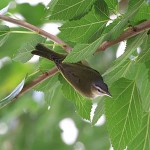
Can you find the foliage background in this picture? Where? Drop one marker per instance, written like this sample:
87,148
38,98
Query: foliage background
28,123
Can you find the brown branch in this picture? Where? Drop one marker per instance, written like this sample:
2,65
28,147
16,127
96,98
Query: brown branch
125,35
37,30
38,80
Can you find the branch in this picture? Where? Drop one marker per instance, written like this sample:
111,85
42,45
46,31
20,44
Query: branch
38,80
125,35
37,30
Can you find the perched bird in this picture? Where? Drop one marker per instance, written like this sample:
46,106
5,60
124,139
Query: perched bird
87,81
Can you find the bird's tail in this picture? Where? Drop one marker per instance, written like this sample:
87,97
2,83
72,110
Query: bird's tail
43,51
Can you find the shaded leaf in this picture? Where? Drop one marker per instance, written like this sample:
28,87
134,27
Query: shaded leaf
83,105
65,9
123,113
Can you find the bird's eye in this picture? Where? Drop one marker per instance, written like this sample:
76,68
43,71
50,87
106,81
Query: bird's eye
99,90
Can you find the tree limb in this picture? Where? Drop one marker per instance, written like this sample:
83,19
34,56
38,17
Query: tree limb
37,30
125,35
38,80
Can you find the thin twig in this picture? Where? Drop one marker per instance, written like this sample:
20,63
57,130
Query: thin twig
125,35
38,80
37,30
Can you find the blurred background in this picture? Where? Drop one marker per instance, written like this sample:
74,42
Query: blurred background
30,122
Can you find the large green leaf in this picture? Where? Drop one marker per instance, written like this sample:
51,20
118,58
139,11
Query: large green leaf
133,71
66,9
82,51
83,105
88,28
123,113
142,139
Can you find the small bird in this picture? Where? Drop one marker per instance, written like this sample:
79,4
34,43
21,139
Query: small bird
87,81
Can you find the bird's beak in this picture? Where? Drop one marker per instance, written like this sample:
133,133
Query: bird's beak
108,94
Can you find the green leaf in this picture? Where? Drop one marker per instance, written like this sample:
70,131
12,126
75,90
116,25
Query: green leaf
4,3
11,74
83,105
37,15
142,139
82,51
99,111
134,43
45,64
24,53
88,28
111,26
123,113
118,29
133,71
49,87
65,9
145,52
112,5
142,14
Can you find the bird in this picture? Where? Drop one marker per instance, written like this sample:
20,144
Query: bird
84,79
